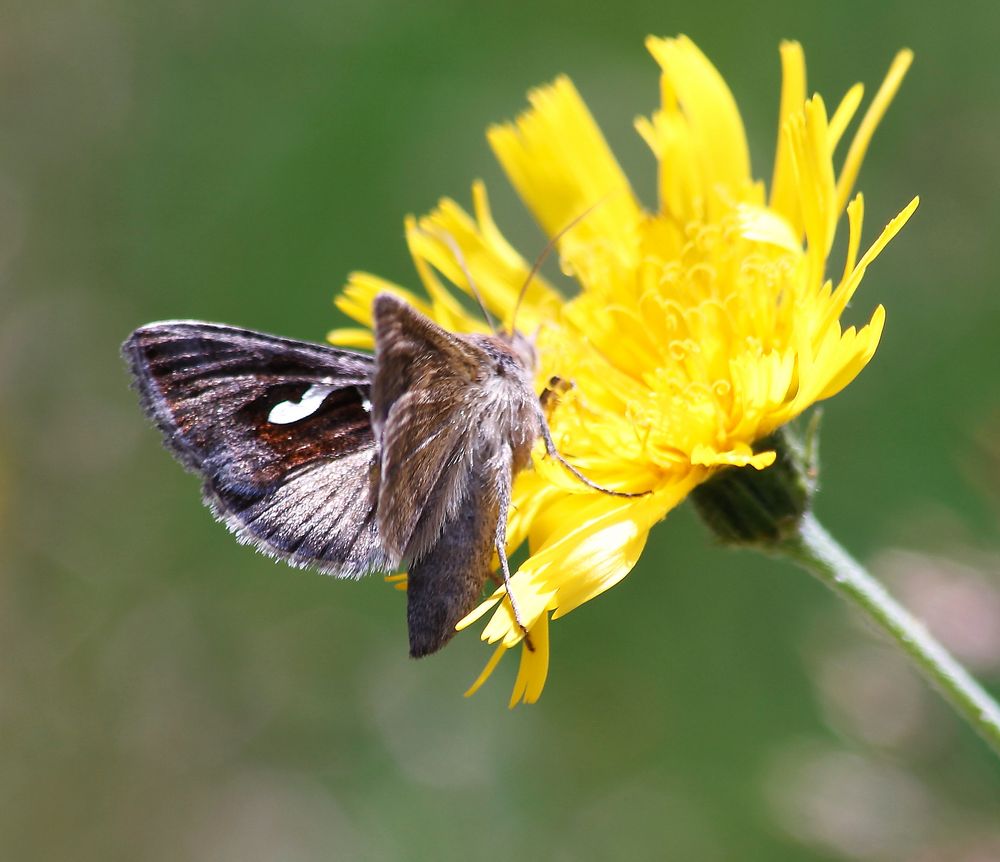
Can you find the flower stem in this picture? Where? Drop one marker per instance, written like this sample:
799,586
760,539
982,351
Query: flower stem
817,552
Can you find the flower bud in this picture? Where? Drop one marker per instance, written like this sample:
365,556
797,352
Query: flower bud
745,506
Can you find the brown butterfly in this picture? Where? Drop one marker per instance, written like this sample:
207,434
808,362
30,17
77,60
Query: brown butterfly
351,463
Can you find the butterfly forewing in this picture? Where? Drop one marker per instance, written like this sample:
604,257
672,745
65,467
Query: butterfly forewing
425,399
279,430
457,415
413,351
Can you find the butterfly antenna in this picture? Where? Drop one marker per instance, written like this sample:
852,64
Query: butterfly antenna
456,251
549,246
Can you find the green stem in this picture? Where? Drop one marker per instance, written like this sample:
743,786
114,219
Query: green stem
817,552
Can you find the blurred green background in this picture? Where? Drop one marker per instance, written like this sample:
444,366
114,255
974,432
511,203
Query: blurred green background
166,694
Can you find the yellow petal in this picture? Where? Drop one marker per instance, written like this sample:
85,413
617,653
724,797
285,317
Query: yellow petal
844,114
759,224
859,351
480,611
540,301
680,180
398,581
855,221
742,456
711,115
580,548
533,600
809,136
534,667
462,249
784,193
842,295
352,337
357,297
561,166
873,116
491,666
447,310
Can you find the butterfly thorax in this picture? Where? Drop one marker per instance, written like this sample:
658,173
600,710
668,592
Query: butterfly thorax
508,387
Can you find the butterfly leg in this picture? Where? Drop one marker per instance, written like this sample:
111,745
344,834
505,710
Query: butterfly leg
553,452
556,386
501,549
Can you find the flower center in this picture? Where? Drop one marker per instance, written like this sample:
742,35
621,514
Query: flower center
697,335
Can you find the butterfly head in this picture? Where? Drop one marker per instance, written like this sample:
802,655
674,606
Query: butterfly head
522,348
510,356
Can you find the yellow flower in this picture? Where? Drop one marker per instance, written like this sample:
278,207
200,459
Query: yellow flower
698,329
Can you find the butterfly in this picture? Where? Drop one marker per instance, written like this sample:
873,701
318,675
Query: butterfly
351,463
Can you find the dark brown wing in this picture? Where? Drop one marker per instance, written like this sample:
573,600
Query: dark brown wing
425,412
278,429
412,351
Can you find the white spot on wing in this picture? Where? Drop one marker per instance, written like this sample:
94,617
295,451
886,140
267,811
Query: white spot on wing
292,411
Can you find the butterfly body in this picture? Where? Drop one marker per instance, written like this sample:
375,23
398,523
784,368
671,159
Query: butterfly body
348,463
457,416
